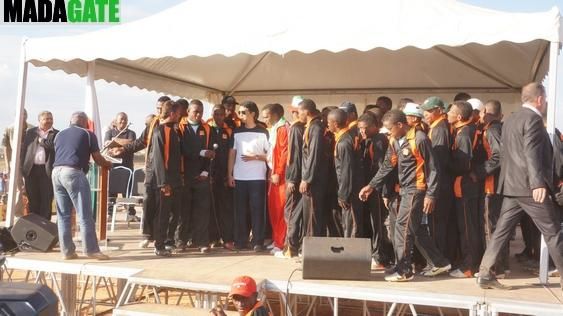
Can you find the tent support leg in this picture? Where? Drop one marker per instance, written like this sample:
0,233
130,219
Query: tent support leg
16,142
552,101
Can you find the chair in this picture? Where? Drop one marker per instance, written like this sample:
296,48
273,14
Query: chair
138,190
118,183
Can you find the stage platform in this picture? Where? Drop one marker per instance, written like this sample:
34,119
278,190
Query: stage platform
210,275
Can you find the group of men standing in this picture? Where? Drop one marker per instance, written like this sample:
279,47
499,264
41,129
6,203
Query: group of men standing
432,185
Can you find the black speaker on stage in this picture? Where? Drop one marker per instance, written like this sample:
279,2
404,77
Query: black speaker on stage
27,299
336,258
35,233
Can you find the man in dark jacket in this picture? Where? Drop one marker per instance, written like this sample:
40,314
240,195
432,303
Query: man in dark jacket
38,155
443,218
372,149
526,181
314,170
121,133
293,210
346,164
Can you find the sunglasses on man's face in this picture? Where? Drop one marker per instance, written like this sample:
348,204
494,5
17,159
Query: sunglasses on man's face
241,112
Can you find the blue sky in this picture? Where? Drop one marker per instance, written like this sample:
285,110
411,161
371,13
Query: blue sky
62,94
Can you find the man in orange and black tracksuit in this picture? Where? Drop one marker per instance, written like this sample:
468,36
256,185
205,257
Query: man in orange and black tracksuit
441,138
466,190
222,197
410,152
488,172
197,148
163,178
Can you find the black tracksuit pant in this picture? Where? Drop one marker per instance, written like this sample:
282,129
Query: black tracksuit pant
165,205
293,213
314,211
221,223
408,230
492,207
195,212
467,216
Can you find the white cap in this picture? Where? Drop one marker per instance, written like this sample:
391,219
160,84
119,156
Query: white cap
413,109
476,104
296,100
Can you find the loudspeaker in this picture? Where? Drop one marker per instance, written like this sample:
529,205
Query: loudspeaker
336,258
27,299
35,233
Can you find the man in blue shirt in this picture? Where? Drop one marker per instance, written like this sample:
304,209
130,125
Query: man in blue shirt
73,147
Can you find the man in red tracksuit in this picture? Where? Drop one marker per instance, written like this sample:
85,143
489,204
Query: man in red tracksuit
410,152
278,129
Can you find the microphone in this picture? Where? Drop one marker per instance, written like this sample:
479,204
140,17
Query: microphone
215,146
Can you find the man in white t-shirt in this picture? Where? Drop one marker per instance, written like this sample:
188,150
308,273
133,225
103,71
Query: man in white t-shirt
247,174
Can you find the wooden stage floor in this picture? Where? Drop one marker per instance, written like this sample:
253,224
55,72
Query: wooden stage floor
215,271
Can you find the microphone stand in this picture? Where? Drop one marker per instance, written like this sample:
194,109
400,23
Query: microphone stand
213,207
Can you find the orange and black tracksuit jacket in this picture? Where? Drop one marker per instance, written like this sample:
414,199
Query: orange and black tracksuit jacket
315,164
346,163
163,163
461,164
414,161
221,135
441,137
489,170
194,140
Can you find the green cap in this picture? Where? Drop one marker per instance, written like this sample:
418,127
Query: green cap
432,103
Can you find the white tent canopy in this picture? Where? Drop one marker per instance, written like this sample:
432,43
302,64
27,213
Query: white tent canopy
206,48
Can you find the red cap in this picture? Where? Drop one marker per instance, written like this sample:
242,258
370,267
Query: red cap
243,286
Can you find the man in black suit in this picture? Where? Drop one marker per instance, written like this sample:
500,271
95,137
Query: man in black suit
526,181
38,154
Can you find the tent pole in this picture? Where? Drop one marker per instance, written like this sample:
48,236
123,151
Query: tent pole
92,109
91,101
17,138
552,102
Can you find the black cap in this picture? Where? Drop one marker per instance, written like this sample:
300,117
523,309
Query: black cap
348,107
228,99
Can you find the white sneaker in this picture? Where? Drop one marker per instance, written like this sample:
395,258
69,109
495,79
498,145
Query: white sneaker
144,243
275,250
396,277
457,273
434,271
270,246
